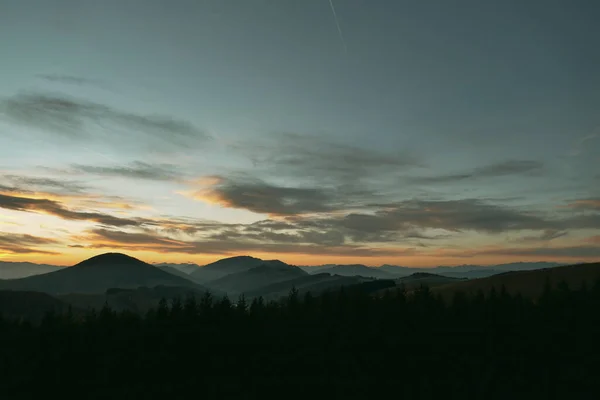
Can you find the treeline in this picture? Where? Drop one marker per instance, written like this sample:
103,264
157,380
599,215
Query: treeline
345,344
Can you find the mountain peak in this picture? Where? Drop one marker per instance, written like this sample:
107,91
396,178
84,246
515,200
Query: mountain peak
110,258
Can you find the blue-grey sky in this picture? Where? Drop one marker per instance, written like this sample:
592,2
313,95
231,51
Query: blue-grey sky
424,132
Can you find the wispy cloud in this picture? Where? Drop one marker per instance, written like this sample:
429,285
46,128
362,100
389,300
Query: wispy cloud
507,168
135,170
322,160
23,183
24,244
71,80
70,117
55,208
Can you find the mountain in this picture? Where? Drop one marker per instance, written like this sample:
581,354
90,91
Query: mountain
530,283
32,306
256,277
96,275
173,271
15,270
357,270
228,266
469,271
186,268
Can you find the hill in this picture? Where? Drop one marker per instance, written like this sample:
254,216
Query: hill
357,270
96,275
16,270
528,283
186,268
257,277
173,271
469,271
228,266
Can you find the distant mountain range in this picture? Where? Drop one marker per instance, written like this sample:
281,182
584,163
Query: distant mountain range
15,270
126,283
226,266
461,271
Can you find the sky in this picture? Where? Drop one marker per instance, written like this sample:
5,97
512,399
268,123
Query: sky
377,132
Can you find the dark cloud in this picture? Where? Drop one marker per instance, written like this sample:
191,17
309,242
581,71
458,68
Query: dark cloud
507,168
136,170
57,209
416,215
24,244
260,197
69,117
22,184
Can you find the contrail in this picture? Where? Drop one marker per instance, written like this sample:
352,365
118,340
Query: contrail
337,23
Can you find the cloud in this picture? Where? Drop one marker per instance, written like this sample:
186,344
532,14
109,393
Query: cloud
579,146
24,244
592,252
450,215
321,159
67,116
71,80
547,235
507,168
263,198
21,183
586,204
55,208
102,238
136,170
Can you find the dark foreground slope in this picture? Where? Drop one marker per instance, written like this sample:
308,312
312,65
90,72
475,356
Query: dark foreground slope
527,283
346,345
96,275
31,306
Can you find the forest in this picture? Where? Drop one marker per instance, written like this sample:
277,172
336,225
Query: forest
339,344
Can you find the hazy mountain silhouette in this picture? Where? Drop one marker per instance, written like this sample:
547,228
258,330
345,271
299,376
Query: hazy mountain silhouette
186,268
257,277
173,271
15,270
228,266
357,270
96,275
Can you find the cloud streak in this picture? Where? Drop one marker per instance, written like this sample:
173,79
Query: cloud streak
136,170
506,168
21,183
71,118
14,243
55,208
